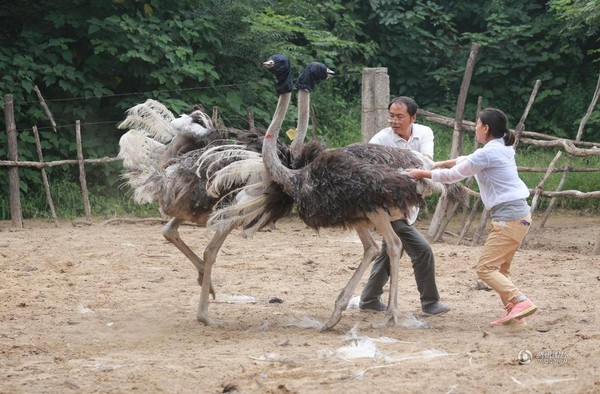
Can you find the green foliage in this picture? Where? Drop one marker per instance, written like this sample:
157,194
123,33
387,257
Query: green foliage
93,60
530,156
68,202
579,16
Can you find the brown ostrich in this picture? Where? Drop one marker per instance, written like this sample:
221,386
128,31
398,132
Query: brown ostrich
361,186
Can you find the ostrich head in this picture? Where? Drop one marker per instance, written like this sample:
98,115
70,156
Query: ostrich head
312,75
280,66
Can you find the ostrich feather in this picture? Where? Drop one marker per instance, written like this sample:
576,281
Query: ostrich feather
247,171
247,211
213,159
187,124
363,348
304,322
140,156
153,118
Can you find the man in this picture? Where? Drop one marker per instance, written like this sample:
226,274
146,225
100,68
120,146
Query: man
406,134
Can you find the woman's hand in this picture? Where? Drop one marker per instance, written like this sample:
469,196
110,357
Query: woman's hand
418,173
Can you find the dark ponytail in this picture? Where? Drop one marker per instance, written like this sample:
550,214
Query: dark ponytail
496,120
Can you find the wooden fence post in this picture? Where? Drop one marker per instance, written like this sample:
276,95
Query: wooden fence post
582,124
38,146
84,189
375,99
457,137
13,155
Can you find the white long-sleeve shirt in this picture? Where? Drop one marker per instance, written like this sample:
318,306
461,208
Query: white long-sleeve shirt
495,170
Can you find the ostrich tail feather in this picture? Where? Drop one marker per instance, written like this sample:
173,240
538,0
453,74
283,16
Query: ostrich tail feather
248,211
249,171
216,158
141,156
456,193
153,119
226,152
459,194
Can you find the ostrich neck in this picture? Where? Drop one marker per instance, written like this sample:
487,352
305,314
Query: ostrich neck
279,173
302,127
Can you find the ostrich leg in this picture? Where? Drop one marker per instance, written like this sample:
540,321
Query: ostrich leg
172,235
370,251
394,248
210,256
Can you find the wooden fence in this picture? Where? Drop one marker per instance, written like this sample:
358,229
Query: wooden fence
374,114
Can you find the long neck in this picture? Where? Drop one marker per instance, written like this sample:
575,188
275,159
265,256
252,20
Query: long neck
279,173
302,127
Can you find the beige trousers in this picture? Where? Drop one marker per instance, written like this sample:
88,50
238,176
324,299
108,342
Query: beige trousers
494,263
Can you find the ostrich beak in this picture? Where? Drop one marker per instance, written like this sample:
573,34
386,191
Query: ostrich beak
330,74
269,63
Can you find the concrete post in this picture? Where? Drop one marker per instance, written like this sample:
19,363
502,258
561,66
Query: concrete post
375,99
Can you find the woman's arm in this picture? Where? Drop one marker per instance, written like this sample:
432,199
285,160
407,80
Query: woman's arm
419,174
445,164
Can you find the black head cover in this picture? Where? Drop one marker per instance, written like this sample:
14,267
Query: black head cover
283,72
314,73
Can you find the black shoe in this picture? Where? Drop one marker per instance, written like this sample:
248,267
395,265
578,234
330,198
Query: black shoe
376,306
436,308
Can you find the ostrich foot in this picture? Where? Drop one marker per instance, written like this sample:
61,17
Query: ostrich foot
390,320
336,316
207,320
212,290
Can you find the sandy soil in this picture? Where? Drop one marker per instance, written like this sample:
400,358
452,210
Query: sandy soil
112,308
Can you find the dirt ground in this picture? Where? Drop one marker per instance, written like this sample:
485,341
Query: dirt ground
112,308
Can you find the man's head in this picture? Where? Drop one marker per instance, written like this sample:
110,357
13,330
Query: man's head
402,113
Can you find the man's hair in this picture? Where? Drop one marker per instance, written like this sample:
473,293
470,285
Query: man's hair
411,105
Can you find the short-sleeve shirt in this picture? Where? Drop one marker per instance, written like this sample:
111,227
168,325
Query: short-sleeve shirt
421,140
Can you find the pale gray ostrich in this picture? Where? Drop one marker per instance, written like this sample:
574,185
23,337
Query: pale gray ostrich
160,159
176,176
360,187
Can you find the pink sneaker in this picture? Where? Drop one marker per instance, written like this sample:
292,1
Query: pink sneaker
518,311
515,323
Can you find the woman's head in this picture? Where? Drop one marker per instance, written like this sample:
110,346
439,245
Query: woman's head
492,124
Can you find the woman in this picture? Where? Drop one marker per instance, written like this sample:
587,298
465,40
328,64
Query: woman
504,194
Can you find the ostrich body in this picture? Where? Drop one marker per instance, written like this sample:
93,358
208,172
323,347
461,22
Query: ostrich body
360,186
339,189
161,162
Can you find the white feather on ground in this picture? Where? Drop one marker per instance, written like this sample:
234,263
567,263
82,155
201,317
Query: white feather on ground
353,335
410,322
534,381
305,322
226,299
395,360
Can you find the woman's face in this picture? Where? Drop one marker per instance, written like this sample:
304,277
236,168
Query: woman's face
481,132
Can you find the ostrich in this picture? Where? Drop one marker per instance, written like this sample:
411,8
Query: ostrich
357,187
160,158
176,177
254,205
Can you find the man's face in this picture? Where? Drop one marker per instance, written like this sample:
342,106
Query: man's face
400,120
